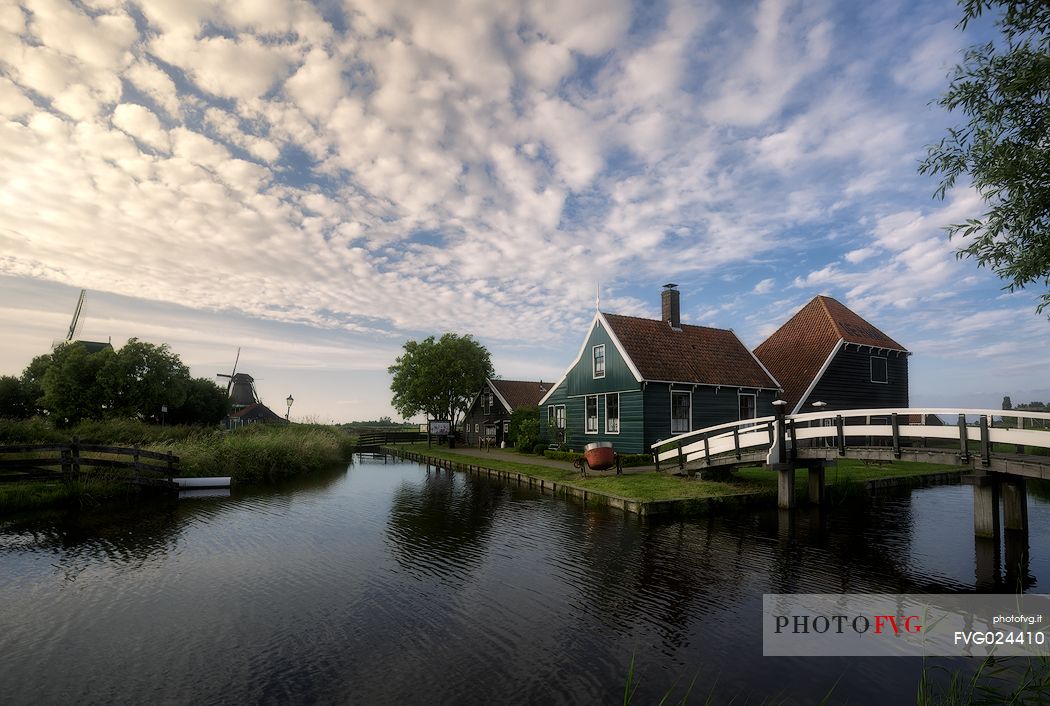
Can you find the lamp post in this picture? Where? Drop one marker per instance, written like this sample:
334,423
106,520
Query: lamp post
288,414
779,406
819,405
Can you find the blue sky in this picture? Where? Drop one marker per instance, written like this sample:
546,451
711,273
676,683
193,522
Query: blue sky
317,183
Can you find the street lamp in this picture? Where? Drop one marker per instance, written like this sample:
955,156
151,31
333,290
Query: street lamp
779,406
287,415
819,405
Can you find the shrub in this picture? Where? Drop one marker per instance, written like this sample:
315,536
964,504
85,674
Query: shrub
539,448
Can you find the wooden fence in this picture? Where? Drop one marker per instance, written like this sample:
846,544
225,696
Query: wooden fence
68,461
375,439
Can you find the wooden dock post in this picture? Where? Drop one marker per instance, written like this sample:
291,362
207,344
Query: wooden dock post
816,482
785,486
985,504
1015,504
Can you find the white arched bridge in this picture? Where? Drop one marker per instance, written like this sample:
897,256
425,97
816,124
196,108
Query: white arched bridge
1002,446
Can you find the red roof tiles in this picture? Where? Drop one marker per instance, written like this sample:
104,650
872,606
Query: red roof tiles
695,354
797,350
521,393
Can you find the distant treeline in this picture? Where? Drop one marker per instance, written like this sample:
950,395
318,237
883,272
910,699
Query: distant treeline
141,381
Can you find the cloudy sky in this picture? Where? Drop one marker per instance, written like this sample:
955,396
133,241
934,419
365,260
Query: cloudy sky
318,182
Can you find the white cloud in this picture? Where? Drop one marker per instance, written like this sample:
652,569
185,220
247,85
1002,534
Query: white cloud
764,286
142,124
242,68
859,255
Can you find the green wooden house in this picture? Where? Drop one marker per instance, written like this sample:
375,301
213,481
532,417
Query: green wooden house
637,381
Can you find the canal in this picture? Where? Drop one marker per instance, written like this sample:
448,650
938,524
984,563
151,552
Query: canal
390,583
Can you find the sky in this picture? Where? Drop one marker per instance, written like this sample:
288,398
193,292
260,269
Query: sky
317,183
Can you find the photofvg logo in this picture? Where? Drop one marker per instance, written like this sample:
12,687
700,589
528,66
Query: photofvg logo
873,625
820,624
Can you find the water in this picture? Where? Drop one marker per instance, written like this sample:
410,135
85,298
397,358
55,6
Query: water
389,583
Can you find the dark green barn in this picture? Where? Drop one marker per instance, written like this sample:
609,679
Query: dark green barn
827,353
637,381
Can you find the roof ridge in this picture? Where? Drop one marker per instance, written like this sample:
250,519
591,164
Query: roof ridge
660,321
827,312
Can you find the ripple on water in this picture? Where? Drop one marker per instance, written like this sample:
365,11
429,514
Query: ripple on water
394,584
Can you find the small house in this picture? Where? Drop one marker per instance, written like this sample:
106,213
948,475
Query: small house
488,416
636,381
827,353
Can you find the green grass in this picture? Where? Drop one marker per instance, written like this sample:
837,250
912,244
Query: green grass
849,470
656,486
648,487
480,459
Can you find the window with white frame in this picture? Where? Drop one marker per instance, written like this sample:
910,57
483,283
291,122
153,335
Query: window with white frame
550,415
681,411
559,416
598,361
591,414
880,369
612,413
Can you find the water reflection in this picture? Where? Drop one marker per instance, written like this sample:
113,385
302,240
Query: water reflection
391,583
443,521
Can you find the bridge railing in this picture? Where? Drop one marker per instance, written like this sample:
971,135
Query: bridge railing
902,426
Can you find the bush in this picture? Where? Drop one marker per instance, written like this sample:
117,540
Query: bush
525,427
539,448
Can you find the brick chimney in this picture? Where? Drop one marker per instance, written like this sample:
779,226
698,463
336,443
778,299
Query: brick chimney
670,307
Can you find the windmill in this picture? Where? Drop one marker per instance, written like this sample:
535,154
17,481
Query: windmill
241,386
74,331
76,317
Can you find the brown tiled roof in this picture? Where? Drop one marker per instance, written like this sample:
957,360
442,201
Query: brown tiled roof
257,411
521,393
696,354
797,350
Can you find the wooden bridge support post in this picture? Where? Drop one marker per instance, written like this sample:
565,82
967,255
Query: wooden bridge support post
964,444
896,435
986,446
786,487
1015,504
816,483
985,505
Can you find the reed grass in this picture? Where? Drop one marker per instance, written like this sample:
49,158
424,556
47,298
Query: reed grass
251,454
261,452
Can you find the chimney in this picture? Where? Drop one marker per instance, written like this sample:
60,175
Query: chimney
670,307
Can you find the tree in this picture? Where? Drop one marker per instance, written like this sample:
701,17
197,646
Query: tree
1004,90
439,378
73,390
205,403
32,380
13,399
141,377
1007,404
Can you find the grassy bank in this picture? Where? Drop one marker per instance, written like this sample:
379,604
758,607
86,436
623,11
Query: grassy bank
250,454
647,487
